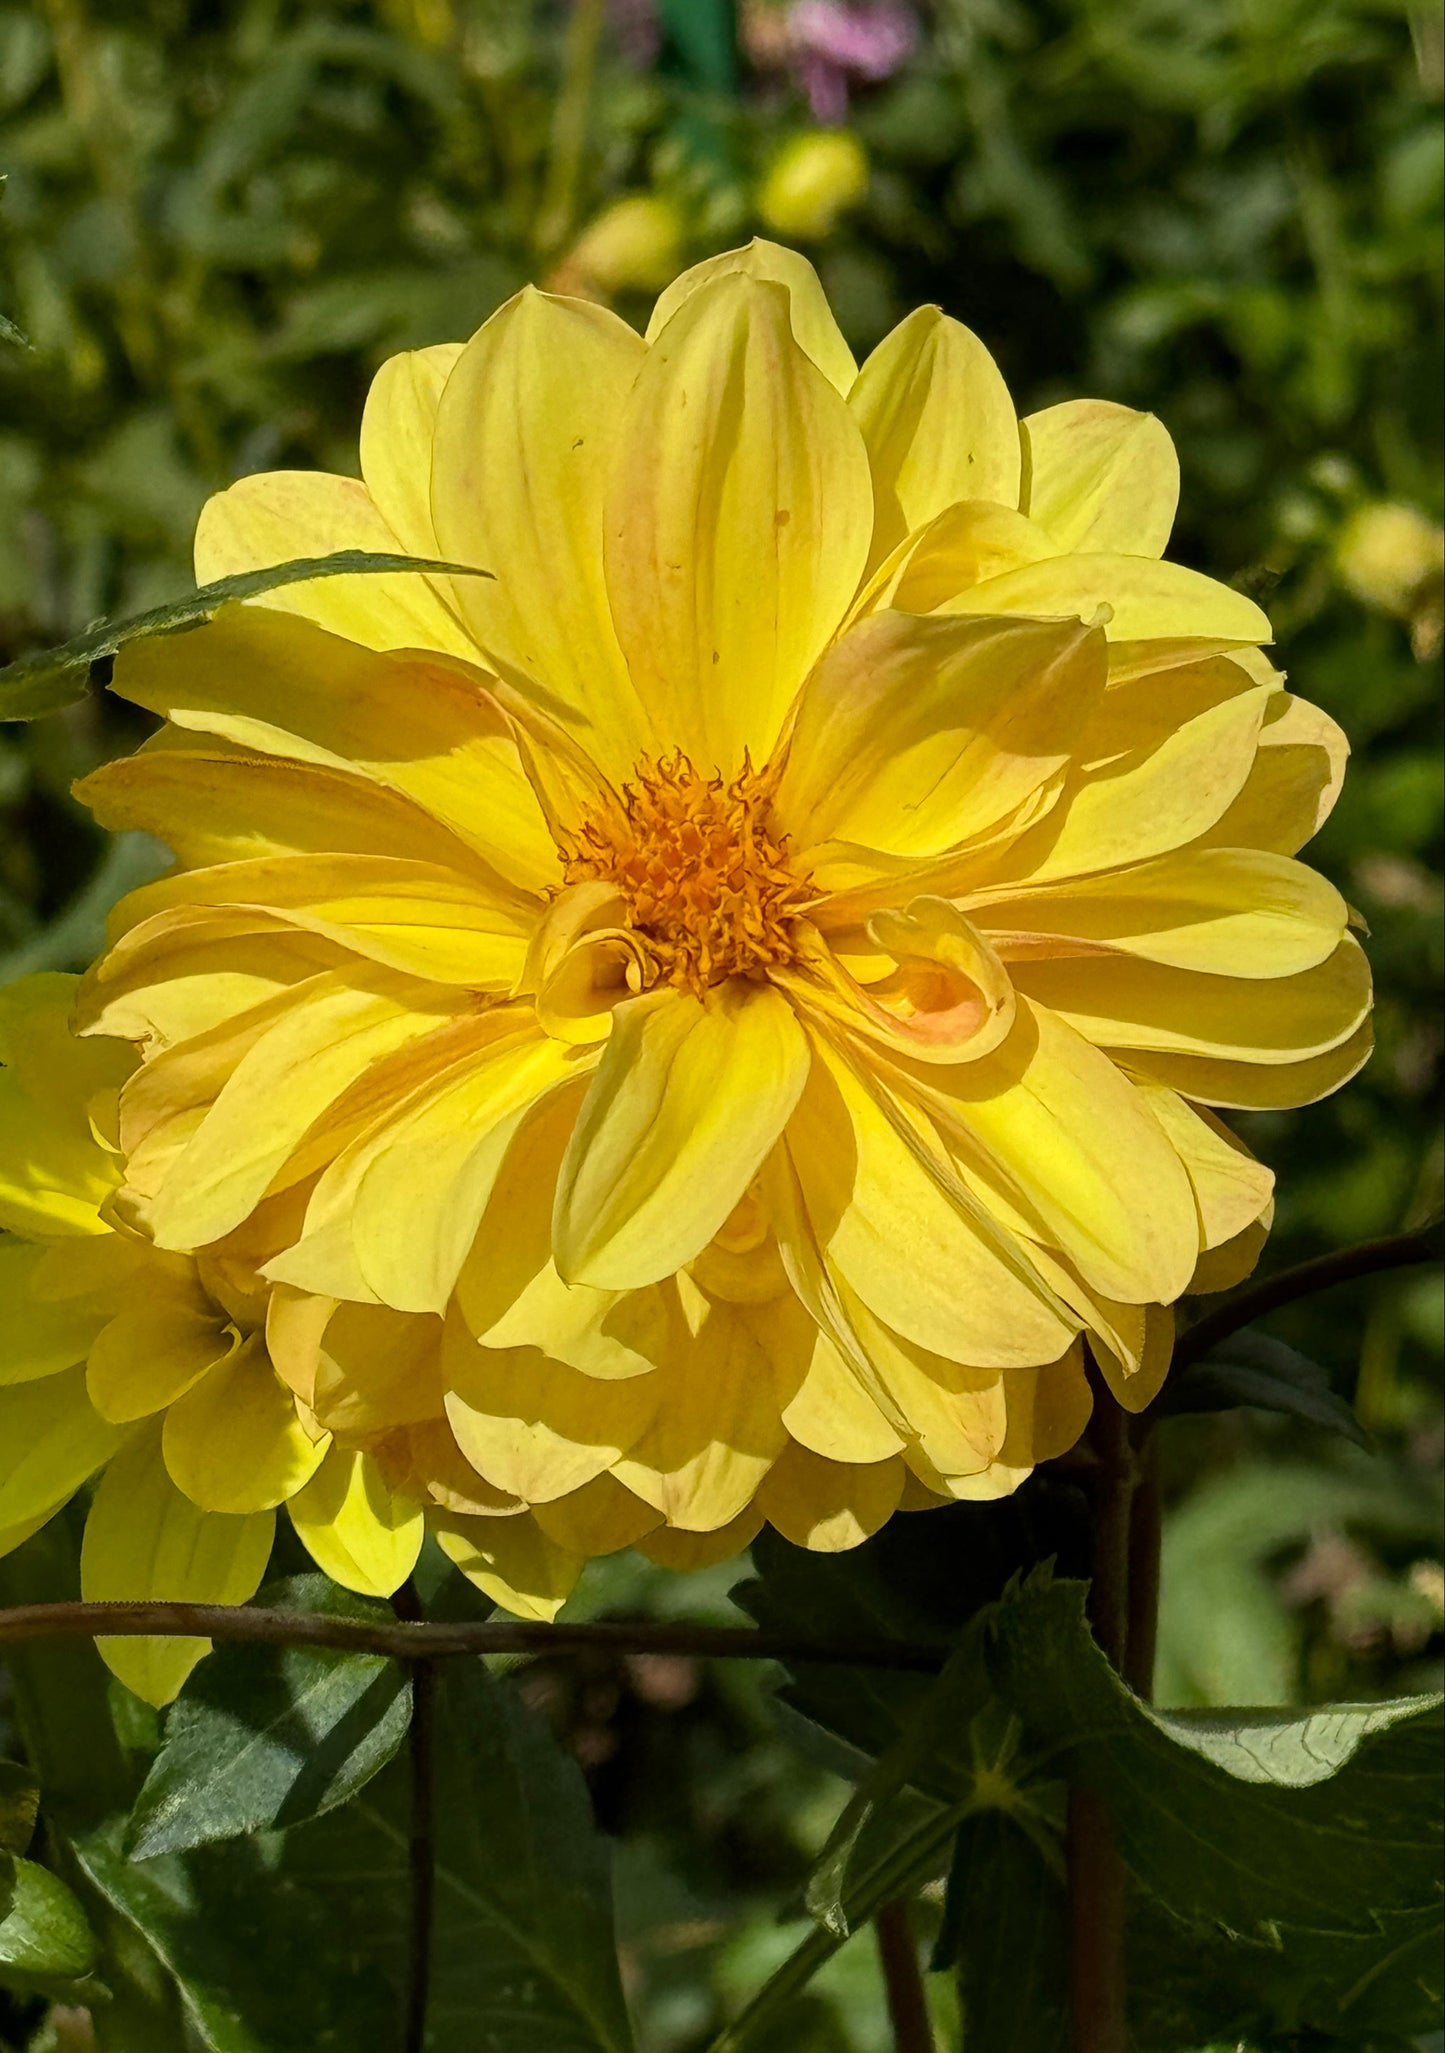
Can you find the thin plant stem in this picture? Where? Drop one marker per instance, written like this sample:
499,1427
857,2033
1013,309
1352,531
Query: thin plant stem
558,208
421,1852
421,1849
1345,1265
1145,1533
1097,1966
903,1978
405,1641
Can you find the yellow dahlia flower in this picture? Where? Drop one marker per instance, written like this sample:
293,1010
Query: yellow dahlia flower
757,966
154,1366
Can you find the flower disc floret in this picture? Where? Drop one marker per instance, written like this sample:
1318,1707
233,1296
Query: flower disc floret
707,880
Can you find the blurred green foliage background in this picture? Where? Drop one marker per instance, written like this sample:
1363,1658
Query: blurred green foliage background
220,217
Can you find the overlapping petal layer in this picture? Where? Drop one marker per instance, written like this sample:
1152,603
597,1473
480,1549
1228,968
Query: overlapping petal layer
736,991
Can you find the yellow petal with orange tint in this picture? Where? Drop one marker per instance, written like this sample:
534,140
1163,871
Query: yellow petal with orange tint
815,331
527,432
737,522
938,423
688,1099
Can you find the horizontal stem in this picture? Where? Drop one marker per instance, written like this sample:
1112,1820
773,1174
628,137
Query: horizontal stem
404,1641
1345,1265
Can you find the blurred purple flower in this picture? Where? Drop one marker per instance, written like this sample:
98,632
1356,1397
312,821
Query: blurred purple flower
835,42
635,26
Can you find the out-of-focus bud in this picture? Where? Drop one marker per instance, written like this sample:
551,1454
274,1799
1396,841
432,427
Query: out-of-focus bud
812,183
635,245
1393,557
432,23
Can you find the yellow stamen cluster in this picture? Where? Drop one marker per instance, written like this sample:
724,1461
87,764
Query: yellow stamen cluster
708,884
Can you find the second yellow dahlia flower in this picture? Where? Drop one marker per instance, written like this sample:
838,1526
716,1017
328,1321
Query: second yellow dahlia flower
756,970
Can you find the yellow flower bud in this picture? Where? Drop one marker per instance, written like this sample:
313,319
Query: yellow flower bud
632,246
1388,554
813,182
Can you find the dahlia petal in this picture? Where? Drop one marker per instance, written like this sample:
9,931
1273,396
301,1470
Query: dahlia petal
688,1099
158,1346
409,1194
398,428
356,1528
422,728
938,422
41,1337
234,1441
374,1369
960,547
1292,787
716,1432
1151,800
1120,1001
829,1411
288,1078
211,803
282,516
685,1552
1231,1189
410,916
953,1417
913,734
1238,912
1048,1409
527,431
180,975
945,996
1145,598
1252,1086
815,331
52,1439
1229,1264
1100,477
829,1506
145,1541
1079,1146
512,1561
600,1518
535,1427
1136,1384
953,1283
737,522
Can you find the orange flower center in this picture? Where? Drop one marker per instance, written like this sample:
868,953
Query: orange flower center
708,884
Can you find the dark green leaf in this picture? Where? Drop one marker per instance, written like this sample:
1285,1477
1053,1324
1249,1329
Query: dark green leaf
1006,1917
51,678
272,1736
297,1942
1252,1368
45,1940
1249,1819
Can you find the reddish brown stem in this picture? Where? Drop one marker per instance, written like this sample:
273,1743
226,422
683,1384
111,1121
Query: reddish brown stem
903,1979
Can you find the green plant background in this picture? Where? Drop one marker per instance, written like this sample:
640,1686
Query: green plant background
220,217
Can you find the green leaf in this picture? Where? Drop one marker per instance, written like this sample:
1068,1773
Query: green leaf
1255,1369
1326,1820
1006,1916
51,678
297,1942
46,1943
272,1736
19,1804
